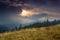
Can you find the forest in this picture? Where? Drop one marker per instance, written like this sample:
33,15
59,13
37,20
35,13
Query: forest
34,25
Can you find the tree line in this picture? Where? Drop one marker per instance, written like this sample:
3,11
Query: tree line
46,23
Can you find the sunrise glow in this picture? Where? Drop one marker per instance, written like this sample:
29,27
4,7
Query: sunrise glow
26,13
29,13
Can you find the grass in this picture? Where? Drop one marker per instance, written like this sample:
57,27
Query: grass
43,33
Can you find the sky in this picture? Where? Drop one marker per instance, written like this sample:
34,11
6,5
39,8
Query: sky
28,11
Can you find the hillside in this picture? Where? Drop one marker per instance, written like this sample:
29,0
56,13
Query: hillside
43,33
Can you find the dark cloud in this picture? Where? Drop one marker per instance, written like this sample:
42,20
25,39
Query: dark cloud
6,12
44,2
38,11
6,9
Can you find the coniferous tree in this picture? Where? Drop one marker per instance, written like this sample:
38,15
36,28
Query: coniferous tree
54,21
16,28
47,23
20,27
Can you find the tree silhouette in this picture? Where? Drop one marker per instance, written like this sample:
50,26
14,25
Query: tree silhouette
20,27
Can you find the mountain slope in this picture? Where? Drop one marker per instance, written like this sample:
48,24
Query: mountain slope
43,33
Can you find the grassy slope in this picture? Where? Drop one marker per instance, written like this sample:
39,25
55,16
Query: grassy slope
48,33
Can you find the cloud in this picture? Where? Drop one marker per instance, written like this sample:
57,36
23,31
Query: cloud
29,12
7,10
52,11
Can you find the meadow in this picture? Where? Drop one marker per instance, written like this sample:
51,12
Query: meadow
43,33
